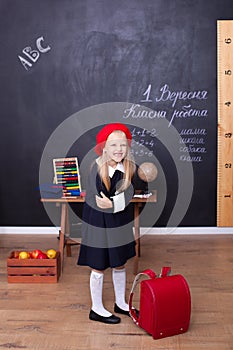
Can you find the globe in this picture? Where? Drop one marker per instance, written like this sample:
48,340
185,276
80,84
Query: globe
147,172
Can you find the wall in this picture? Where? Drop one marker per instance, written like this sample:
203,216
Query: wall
67,67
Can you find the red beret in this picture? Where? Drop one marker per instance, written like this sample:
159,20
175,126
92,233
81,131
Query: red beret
103,134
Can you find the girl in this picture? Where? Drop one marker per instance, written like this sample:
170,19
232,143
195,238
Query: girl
107,237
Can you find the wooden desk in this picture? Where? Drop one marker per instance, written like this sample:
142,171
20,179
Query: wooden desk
65,228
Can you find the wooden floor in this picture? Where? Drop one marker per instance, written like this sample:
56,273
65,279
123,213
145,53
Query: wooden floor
55,316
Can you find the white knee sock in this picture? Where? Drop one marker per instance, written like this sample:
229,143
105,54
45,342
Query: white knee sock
96,288
119,283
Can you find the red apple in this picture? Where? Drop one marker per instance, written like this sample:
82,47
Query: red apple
15,254
42,255
34,254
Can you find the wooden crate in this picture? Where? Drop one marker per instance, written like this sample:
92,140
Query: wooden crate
33,270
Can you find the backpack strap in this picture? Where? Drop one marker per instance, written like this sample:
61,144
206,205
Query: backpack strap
166,271
151,274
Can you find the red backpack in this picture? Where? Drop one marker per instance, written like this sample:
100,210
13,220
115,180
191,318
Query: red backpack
165,304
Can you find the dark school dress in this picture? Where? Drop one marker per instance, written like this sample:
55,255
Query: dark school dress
107,237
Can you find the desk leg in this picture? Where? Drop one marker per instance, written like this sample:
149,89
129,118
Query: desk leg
64,219
137,235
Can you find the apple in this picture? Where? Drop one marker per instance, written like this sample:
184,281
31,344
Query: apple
42,255
15,254
34,254
24,255
51,253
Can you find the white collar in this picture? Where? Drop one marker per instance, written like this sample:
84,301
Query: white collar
112,170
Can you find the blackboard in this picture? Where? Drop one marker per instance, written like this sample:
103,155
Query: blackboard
68,67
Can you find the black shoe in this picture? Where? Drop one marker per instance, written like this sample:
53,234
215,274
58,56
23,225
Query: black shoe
110,320
118,310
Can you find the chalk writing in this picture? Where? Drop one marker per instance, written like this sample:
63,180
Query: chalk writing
142,153
143,141
173,96
181,106
136,112
195,140
192,145
187,112
32,55
192,149
195,131
144,132
185,158
147,94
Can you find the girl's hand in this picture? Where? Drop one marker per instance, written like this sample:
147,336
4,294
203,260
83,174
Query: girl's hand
103,202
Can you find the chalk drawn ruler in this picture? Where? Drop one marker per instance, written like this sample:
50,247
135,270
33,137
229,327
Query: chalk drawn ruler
225,123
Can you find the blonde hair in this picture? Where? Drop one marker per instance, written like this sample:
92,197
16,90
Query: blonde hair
129,167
